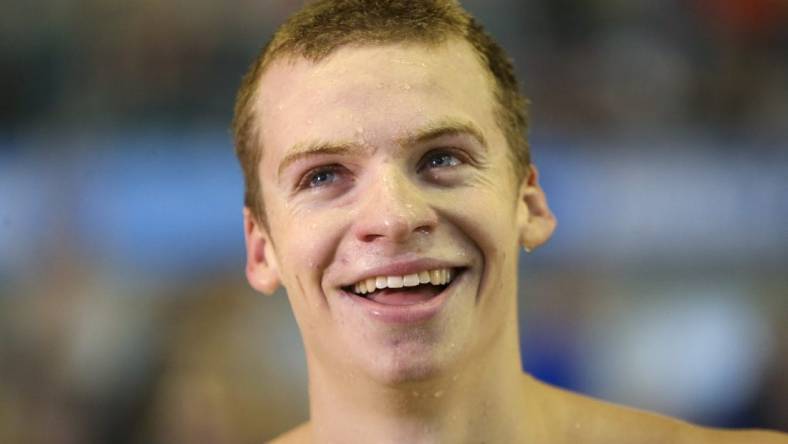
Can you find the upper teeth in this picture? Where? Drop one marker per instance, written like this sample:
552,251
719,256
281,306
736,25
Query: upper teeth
438,276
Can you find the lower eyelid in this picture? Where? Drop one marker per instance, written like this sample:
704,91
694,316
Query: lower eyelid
305,183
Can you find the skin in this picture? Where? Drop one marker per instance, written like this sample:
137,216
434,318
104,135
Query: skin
355,177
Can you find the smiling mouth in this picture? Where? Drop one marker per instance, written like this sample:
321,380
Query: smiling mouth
404,290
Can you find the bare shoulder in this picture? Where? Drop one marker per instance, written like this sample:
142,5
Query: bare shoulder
721,436
298,435
582,419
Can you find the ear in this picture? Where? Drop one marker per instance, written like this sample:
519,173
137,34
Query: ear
535,221
262,270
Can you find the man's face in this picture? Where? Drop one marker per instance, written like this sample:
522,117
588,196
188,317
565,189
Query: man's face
383,166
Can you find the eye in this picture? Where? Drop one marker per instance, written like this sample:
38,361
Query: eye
440,159
320,177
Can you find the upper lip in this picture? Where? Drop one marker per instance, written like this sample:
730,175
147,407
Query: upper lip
401,268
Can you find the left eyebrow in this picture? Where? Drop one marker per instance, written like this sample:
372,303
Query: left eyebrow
443,128
305,150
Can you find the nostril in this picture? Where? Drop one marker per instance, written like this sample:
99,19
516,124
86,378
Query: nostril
393,214
371,237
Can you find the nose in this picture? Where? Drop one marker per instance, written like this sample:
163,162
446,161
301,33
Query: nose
394,209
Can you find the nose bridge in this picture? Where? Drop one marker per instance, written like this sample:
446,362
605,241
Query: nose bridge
394,207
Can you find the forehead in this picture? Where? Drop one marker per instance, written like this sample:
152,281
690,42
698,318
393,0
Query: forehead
378,93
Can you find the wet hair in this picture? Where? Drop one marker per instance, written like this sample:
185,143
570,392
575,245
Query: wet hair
323,26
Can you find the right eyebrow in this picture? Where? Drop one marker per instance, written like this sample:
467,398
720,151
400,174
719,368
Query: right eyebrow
309,149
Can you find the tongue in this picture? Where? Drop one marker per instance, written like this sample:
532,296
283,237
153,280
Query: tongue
405,295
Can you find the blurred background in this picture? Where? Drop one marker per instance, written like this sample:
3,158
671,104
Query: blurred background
660,129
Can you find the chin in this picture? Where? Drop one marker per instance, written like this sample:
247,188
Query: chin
413,363
402,374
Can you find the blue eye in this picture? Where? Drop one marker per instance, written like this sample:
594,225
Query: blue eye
442,159
320,177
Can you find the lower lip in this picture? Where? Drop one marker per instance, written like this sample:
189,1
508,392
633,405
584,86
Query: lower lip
406,314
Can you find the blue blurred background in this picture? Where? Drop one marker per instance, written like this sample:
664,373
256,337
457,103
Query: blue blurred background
660,129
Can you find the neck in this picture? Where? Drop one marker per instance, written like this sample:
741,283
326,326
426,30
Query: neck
488,399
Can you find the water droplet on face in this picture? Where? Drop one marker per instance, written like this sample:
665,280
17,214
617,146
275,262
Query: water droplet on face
438,394
406,87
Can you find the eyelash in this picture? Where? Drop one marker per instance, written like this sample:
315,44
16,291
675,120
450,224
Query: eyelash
307,181
457,158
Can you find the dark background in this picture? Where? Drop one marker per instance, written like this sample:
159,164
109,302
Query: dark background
660,129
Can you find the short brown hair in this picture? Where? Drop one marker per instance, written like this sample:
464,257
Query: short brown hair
322,26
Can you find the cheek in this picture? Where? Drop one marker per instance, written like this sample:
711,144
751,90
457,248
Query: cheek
307,245
488,217
487,220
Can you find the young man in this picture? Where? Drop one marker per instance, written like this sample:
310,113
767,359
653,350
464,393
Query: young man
389,189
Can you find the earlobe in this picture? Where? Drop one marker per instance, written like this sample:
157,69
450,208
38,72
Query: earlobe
535,221
262,269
